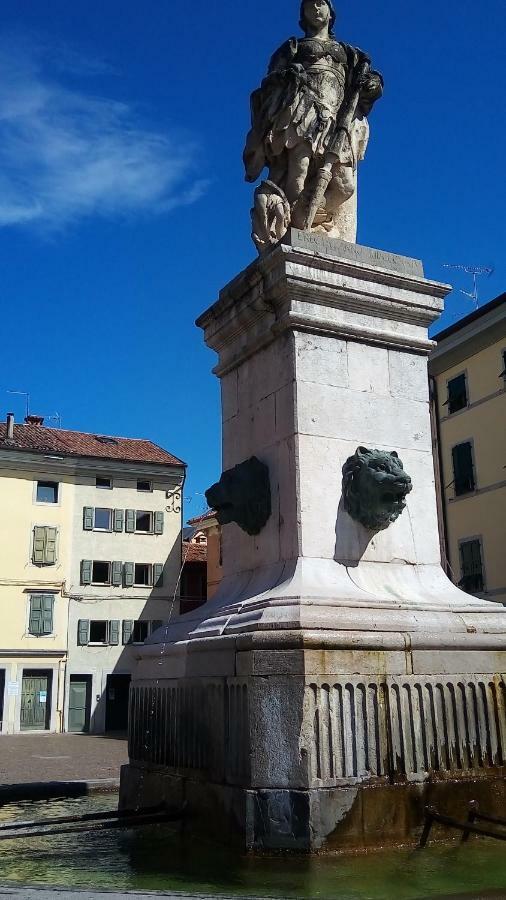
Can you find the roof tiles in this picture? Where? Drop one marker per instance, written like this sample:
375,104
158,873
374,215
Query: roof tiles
39,439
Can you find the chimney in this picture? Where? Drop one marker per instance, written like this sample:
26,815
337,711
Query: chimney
34,420
10,427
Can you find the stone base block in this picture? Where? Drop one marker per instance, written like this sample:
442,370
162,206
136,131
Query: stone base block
343,819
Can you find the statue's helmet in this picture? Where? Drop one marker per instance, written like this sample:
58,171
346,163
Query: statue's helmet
332,15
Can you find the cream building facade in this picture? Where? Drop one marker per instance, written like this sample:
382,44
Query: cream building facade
468,380
90,555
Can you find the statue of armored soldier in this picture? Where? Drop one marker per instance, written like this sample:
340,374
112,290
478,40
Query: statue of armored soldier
310,129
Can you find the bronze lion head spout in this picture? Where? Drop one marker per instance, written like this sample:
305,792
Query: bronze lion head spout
243,495
375,487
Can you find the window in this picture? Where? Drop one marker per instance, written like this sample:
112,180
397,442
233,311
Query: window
98,632
45,539
471,566
137,632
47,491
41,614
140,632
104,439
102,519
463,469
457,394
101,573
142,576
144,521
104,483
145,486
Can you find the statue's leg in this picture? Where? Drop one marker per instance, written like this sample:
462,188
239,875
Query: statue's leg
341,188
299,159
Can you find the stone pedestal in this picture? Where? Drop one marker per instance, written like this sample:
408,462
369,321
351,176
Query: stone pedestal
337,680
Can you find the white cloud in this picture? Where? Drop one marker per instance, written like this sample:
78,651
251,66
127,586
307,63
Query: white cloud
66,154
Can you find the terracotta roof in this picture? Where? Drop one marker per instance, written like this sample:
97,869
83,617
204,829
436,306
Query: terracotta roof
38,439
194,552
199,520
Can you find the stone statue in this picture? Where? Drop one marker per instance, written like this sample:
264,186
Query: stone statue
243,495
309,128
375,487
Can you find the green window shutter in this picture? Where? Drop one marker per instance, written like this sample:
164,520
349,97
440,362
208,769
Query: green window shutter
119,517
128,630
158,575
50,548
159,521
114,633
83,632
88,518
47,613
86,571
117,574
130,521
39,544
128,574
156,624
35,624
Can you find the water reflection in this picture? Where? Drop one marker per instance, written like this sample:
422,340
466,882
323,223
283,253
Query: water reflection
162,858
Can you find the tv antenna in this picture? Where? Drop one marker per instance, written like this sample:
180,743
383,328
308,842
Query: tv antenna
26,395
475,272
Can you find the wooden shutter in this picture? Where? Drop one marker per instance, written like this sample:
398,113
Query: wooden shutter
35,624
114,632
117,574
86,571
88,512
47,613
118,519
39,545
50,546
130,521
158,575
128,630
159,522
83,632
128,574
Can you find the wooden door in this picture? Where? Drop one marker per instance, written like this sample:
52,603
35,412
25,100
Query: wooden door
79,703
35,701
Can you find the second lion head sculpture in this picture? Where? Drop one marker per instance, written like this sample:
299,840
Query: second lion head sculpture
243,495
375,487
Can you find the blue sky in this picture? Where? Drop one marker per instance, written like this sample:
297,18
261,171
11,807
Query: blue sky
123,208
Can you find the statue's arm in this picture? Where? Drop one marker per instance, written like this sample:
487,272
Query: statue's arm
372,84
283,57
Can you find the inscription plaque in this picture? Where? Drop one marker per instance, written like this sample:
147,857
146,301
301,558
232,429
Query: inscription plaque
337,249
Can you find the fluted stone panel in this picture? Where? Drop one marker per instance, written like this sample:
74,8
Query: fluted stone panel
352,729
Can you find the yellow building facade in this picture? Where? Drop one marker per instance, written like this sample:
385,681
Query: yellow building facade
35,538
468,380
51,482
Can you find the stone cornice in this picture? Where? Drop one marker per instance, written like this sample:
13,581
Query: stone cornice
13,459
300,289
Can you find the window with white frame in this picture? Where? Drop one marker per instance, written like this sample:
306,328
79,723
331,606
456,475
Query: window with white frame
143,575
102,519
47,492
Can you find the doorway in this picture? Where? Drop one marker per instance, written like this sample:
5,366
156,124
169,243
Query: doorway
116,705
36,701
79,704
2,692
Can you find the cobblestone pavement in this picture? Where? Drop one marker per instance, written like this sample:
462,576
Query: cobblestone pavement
60,757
